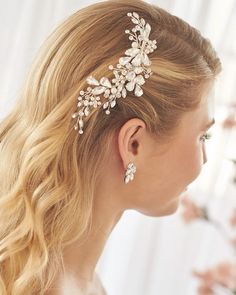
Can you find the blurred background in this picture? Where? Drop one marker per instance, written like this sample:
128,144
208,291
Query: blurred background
194,250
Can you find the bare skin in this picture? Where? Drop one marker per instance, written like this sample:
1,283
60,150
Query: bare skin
163,173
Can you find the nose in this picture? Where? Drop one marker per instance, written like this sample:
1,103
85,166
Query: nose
204,153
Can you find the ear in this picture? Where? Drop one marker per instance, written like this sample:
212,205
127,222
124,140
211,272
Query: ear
129,138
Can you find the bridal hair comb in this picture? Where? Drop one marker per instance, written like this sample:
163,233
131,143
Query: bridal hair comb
128,74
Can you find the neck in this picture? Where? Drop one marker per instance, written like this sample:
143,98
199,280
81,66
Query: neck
81,257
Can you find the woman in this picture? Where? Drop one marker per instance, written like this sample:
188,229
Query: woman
68,174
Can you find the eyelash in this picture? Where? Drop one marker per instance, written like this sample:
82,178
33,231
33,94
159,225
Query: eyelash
206,136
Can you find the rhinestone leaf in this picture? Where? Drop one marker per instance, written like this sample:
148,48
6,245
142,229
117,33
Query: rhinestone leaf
138,70
113,103
140,80
105,82
124,92
92,81
142,21
138,90
131,75
130,86
124,60
135,21
132,51
137,60
127,178
98,90
86,111
81,123
147,32
106,104
120,87
145,59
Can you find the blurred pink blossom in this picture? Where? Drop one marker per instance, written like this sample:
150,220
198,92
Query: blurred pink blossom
205,290
224,274
232,219
192,211
229,121
233,241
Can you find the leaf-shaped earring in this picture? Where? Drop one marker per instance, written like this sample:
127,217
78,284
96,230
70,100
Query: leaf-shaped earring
129,174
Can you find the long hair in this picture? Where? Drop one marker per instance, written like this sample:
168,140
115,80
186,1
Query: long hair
48,171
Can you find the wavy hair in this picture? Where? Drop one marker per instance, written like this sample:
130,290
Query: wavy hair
46,200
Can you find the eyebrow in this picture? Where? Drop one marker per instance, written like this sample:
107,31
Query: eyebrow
212,122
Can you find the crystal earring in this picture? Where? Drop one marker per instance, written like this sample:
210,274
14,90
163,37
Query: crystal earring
129,174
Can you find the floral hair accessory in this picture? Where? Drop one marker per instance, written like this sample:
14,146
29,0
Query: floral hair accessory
128,75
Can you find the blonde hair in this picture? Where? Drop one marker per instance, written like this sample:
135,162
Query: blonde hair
48,172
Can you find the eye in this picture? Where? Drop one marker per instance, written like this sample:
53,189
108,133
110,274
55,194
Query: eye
206,136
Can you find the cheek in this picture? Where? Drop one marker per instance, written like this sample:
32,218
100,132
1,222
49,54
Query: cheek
192,160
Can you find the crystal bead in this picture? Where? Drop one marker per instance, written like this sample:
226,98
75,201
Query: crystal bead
134,44
113,90
138,70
